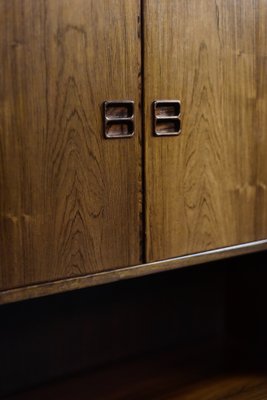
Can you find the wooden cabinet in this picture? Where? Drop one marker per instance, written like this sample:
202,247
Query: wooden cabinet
74,204
207,188
70,200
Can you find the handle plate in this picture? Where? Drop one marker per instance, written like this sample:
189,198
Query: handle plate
167,115
118,119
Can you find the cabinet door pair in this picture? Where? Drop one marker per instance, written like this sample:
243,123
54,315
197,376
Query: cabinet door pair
73,202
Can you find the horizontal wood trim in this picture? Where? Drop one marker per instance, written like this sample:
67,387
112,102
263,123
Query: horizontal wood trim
60,286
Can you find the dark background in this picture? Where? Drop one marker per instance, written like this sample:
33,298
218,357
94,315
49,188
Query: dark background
220,305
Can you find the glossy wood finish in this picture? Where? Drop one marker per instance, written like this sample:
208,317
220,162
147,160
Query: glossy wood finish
156,378
206,188
65,285
222,387
70,201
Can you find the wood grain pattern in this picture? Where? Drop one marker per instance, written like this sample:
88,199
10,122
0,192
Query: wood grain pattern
65,285
206,188
70,200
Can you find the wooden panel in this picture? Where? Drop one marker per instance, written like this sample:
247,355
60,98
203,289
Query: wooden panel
206,188
69,199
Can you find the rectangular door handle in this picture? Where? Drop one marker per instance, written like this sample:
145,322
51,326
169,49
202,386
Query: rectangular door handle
166,115
118,119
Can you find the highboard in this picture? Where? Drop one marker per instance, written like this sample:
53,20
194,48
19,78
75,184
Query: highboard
133,138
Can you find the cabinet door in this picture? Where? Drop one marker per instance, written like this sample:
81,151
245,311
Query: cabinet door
69,198
207,187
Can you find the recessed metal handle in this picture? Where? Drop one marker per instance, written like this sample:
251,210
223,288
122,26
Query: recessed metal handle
167,117
118,119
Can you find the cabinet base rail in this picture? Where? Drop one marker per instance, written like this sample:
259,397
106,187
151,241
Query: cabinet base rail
69,284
